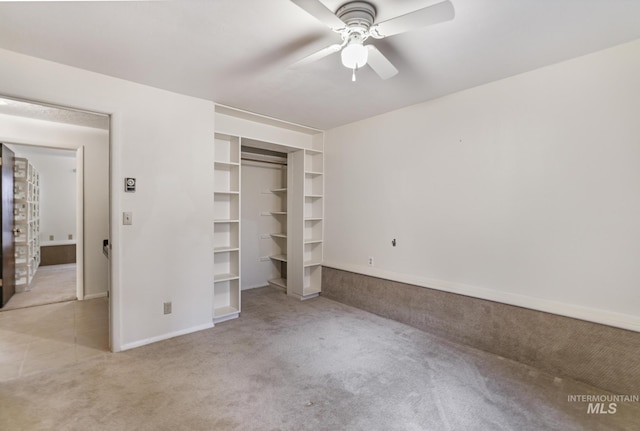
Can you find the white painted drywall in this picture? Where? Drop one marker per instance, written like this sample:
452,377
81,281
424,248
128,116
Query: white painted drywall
165,140
258,179
525,191
286,137
32,132
57,173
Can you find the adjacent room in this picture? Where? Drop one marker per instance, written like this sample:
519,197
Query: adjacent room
322,214
56,311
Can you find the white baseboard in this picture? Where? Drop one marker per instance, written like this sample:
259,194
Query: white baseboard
604,317
146,341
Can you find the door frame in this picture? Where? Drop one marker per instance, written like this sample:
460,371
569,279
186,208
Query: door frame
79,198
80,224
113,207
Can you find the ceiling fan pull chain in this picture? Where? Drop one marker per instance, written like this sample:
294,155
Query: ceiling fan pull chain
353,75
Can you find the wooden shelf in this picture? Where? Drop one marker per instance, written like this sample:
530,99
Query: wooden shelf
312,263
226,221
225,277
279,235
278,212
225,249
279,190
312,241
313,196
313,219
313,173
226,163
280,257
226,192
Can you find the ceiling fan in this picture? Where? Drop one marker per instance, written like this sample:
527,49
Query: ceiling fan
355,21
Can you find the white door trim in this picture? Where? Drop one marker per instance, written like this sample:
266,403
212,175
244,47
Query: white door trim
80,223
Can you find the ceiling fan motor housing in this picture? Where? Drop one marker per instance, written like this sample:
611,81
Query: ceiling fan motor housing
358,15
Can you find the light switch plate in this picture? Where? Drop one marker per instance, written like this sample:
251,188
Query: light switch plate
127,218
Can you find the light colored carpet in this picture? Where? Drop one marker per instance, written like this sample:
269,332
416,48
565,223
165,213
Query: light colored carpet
291,365
50,284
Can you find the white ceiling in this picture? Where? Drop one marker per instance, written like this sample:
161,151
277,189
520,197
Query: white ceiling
238,52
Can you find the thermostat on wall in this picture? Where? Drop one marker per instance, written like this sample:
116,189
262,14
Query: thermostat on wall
129,184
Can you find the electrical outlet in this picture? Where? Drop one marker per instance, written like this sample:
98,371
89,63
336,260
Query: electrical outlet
370,261
127,218
167,307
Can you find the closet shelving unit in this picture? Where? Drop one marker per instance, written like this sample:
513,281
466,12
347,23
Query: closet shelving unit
296,248
226,228
307,210
313,221
280,238
26,212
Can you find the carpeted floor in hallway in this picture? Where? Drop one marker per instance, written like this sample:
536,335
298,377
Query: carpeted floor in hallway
291,365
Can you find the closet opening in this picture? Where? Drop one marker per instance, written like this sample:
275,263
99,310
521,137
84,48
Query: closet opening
264,218
268,220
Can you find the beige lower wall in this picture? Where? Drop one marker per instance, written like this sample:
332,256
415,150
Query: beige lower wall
57,254
596,354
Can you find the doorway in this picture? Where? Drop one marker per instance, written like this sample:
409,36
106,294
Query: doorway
83,140
47,190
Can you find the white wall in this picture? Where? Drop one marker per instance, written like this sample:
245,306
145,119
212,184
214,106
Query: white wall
165,140
525,191
95,142
57,193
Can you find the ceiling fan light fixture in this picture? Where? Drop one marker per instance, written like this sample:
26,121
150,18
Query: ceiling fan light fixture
354,56
355,21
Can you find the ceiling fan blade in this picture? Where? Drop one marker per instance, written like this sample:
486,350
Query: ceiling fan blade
317,55
321,13
429,15
380,64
